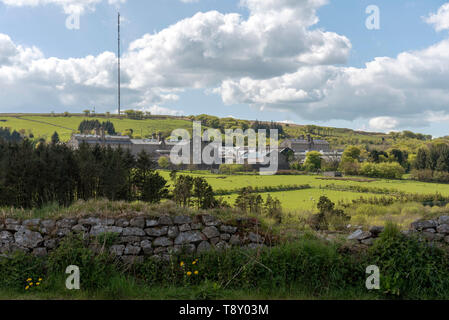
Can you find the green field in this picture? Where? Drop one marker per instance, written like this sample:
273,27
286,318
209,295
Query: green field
45,126
299,200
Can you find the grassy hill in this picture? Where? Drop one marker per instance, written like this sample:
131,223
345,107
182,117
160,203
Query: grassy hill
44,125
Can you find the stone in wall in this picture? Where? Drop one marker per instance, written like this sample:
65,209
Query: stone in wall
136,237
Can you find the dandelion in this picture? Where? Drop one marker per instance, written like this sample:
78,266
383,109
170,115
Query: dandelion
29,279
189,273
31,284
40,279
38,283
194,262
182,264
27,287
196,272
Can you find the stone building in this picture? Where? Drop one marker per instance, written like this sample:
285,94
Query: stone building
306,144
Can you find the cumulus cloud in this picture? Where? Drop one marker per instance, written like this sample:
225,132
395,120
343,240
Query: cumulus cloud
69,6
203,50
440,19
273,60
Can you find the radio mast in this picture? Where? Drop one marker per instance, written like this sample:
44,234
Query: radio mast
118,55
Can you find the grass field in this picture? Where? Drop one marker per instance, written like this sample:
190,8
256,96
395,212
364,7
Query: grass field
45,126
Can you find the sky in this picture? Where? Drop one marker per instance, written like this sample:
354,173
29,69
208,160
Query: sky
323,62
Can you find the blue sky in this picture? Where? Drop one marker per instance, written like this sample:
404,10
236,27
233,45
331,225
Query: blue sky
266,94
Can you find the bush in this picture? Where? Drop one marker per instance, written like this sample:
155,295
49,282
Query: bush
96,269
410,268
382,170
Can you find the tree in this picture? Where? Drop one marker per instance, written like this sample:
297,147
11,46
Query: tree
182,191
86,112
204,194
55,138
421,159
313,161
163,162
151,185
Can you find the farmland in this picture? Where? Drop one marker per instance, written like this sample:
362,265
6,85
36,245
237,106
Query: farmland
43,126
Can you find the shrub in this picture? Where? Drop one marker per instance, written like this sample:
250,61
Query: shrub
16,269
96,269
382,170
410,268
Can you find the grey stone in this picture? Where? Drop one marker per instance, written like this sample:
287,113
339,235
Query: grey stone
130,239
431,230
107,221
356,235
66,223
165,220
132,250
190,237
31,222
101,229
51,243
228,229
376,230
138,222
215,240
211,232
222,245
235,240
40,252
122,222
156,232
147,247
160,250
63,232
89,221
152,223
162,242
431,236
424,224
79,228
13,227
203,247
182,220
443,220
368,241
446,239
257,238
11,221
184,227
225,236
196,226
444,228
27,238
210,221
6,236
133,232
173,232
117,249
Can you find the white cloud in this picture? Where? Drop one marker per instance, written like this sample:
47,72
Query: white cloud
439,20
273,60
383,123
69,6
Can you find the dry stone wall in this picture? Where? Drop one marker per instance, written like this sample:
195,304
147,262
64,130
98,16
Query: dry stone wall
137,237
434,230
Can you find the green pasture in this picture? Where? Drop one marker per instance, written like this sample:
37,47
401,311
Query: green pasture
45,126
230,182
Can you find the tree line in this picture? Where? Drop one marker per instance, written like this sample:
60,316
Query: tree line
87,126
35,174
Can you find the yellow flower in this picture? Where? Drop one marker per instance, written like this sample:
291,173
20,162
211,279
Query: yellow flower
38,283
189,273
40,279
29,279
196,272
27,287
181,264
194,262
31,284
